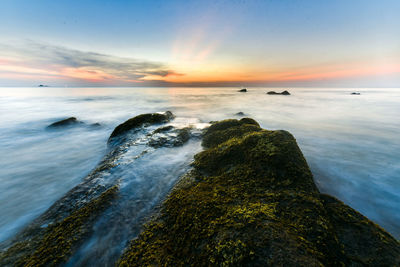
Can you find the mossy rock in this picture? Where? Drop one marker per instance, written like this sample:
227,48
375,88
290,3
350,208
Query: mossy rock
250,200
222,131
141,120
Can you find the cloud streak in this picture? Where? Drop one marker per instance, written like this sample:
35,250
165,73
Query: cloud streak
32,59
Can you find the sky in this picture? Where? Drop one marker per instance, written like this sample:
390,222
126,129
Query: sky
342,43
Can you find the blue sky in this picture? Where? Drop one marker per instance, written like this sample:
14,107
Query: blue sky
338,43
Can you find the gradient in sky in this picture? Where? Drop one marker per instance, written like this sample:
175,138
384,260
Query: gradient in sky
199,43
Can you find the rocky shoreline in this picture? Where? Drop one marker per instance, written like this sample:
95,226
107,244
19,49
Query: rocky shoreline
249,199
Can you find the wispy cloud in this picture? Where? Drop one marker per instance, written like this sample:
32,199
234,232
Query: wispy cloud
32,59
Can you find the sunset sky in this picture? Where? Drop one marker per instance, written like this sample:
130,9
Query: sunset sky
200,43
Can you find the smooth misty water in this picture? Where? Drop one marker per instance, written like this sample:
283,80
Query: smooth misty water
350,142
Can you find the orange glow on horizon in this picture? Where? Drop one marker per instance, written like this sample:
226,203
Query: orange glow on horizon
329,72
201,72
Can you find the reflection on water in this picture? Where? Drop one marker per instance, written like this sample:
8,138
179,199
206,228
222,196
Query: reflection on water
351,142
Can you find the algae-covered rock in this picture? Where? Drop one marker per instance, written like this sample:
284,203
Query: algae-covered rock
250,200
143,119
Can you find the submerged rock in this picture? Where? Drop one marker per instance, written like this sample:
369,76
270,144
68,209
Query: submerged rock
275,93
250,200
66,122
95,125
244,90
141,120
72,121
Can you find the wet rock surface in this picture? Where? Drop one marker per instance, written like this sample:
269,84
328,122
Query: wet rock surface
141,120
250,200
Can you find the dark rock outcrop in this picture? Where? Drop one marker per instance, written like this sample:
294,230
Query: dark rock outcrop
240,113
250,200
244,90
66,122
275,93
141,120
355,93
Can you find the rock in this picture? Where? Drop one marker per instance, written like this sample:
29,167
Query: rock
224,130
275,93
95,125
244,90
164,129
182,137
250,200
141,120
169,136
240,114
66,122
356,93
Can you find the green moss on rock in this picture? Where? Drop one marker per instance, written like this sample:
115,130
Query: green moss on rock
220,132
251,201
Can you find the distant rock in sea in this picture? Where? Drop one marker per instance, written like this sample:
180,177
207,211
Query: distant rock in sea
66,122
244,90
240,114
42,85
95,125
355,93
275,93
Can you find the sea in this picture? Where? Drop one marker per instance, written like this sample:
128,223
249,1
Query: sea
351,142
